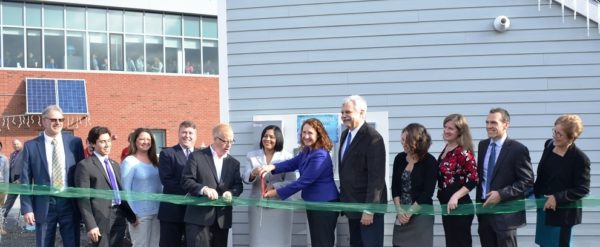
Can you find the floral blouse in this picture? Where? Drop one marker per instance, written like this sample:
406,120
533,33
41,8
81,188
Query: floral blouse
457,169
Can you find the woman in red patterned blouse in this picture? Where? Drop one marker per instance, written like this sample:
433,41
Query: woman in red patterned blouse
457,176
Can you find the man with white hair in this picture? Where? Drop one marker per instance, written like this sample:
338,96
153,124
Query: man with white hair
362,172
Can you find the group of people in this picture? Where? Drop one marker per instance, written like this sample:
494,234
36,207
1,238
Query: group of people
501,173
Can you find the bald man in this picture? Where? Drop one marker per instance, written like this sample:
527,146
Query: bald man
214,174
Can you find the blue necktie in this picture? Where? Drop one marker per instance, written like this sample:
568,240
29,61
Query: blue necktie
113,183
348,141
491,165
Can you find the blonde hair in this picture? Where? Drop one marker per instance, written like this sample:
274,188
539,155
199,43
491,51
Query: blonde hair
572,124
464,134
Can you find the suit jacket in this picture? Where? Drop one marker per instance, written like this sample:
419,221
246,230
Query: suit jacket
200,171
568,182
362,169
16,164
172,160
95,212
35,170
512,178
316,176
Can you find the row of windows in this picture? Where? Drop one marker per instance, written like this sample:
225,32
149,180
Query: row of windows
59,37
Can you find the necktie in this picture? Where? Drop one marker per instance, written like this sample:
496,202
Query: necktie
113,183
57,169
187,153
491,165
348,142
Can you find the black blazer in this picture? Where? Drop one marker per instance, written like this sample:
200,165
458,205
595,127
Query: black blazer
200,171
362,169
512,178
568,183
89,173
172,160
422,178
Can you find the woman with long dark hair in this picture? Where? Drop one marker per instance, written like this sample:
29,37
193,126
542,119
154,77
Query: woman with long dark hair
139,172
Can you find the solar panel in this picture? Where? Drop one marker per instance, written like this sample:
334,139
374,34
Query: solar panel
70,95
40,93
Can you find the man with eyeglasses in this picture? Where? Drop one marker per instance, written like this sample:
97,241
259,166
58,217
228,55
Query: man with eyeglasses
49,160
214,174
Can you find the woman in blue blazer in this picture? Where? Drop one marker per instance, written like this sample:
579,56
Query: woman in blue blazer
316,181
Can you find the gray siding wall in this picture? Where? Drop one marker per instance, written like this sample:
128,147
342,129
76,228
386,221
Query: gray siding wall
420,61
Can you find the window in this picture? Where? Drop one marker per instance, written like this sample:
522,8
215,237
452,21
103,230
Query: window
34,48
97,19
154,54
116,52
160,138
76,50
210,50
192,56
36,34
75,18
115,20
173,55
53,16
191,26
34,15
134,22
12,14
13,47
55,49
154,24
173,25
98,53
134,45
209,27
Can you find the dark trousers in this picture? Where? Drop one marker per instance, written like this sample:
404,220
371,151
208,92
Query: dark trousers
564,239
9,203
61,212
491,237
321,225
366,236
457,229
206,236
171,233
113,231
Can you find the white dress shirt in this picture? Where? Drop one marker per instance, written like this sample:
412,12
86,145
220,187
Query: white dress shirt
61,154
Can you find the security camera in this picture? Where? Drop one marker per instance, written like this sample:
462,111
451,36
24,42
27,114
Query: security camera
501,23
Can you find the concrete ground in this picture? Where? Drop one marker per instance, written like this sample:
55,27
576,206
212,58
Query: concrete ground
17,235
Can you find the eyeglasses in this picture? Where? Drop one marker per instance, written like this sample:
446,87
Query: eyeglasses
556,133
56,120
226,142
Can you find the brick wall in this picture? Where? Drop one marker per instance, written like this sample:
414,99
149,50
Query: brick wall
120,101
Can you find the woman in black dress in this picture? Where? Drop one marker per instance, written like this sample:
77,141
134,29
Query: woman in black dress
413,183
563,178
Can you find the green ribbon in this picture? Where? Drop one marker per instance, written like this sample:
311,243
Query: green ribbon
463,209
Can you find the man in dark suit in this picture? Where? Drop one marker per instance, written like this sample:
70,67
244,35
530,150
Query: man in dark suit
172,161
362,172
211,173
104,219
50,160
505,172
16,158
